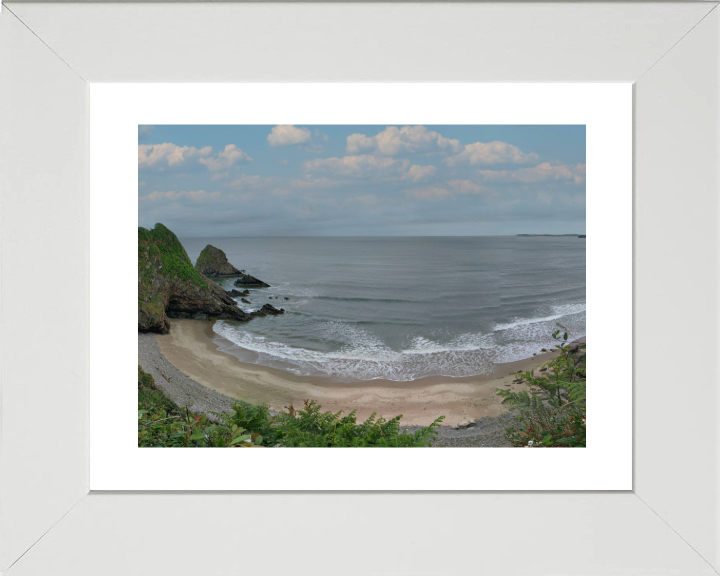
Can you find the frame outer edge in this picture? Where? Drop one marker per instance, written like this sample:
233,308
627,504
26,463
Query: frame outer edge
677,249
43,288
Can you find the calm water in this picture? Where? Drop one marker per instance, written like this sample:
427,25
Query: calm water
402,308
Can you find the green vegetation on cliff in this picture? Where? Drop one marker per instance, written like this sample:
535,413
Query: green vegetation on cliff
169,285
162,423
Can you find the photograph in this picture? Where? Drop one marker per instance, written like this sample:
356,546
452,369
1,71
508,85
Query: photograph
362,286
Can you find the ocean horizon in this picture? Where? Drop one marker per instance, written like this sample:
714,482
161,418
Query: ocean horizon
402,308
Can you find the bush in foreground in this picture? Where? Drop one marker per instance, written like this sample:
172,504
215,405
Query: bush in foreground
553,413
161,423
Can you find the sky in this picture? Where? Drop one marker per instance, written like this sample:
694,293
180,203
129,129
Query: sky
340,180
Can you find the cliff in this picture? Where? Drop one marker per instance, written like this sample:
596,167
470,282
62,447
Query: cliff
169,285
213,263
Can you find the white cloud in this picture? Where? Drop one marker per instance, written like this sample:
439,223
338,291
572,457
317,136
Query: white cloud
466,187
495,152
540,173
171,155
408,139
253,181
167,154
453,187
195,195
286,134
363,165
225,159
418,173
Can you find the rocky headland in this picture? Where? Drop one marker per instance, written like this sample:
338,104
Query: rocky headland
170,287
213,263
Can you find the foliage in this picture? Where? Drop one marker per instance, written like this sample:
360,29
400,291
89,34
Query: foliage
161,423
161,253
309,427
553,412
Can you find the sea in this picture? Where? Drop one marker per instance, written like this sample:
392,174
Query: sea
402,308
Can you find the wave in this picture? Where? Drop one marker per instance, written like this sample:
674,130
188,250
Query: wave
365,357
558,312
352,351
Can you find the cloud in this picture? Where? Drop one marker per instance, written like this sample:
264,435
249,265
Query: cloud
369,167
429,193
363,165
541,173
495,152
408,139
196,196
286,134
253,181
418,173
225,159
466,187
168,155
453,187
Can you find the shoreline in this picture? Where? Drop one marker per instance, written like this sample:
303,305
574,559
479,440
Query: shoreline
189,347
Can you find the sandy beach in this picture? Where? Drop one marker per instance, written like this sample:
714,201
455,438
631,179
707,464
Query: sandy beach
189,347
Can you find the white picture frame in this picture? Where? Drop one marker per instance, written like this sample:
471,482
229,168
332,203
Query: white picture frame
116,463
49,523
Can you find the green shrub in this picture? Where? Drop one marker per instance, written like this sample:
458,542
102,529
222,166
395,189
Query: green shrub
161,423
553,413
309,427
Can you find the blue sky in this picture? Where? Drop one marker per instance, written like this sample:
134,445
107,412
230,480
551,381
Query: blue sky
228,181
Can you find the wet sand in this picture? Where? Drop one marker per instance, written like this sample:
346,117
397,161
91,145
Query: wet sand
189,347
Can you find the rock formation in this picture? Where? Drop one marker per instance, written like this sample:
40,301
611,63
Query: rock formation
268,309
250,281
213,263
169,285
236,293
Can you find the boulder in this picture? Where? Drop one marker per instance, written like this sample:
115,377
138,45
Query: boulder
213,263
245,280
170,287
237,293
246,301
268,309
